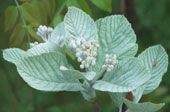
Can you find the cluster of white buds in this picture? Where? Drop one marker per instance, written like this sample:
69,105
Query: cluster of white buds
44,32
86,51
110,61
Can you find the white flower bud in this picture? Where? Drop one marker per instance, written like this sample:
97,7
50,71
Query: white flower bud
79,60
77,54
108,69
43,31
86,52
110,61
82,66
78,42
104,66
87,65
74,45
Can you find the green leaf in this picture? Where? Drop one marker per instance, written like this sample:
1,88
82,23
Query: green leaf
50,6
42,11
73,73
127,75
79,75
17,36
116,36
42,72
90,75
82,4
14,55
137,93
25,0
103,4
30,13
57,19
117,99
45,48
155,59
79,25
11,15
33,33
142,107
58,33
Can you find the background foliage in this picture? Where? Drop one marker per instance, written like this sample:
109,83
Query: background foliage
150,19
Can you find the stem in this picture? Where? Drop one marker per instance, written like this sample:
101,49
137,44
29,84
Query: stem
96,106
12,87
22,18
99,75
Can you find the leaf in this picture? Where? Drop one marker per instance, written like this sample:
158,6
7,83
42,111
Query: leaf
127,75
58,32
17,36
11,15
137,93
13,55
116,36
30,14
78,24
42,72
103,4
117,99
57,19
79,75
45,48
82,4
42,11
90,75
88,93
73,73
155,59
33,33
50,6
142,107
25,0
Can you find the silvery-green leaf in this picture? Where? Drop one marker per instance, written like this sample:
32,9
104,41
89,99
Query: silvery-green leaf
137,93
58,34
42,72
127,75
45,48
142,107
155,59
116,36
73,73
78,24
14,55
117,99
79,75
90,75
88,93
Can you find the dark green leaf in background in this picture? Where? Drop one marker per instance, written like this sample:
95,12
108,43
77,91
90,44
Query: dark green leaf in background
103,4
17,36
33,33
50,6
11,15
82,4
30,14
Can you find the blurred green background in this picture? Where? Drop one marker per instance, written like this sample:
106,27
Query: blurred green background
150,20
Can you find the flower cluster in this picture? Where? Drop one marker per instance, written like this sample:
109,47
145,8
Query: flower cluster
44,32
86,51
110,61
